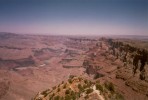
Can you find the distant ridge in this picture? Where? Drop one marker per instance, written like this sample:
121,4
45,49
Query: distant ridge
130,36
8,34
5,35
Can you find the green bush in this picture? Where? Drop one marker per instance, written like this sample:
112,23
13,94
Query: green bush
89,83
67,97
67,91
84,86
85,81
51,96
77,94
45,93
71,76
98,81
54,87
62,82
110,86
119,97
57,97
86,97
64,86
79,78
80,87
99,87
73,95
58,90
70,81
62,98
88,91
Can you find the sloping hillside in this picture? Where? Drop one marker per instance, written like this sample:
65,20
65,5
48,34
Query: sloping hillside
78,88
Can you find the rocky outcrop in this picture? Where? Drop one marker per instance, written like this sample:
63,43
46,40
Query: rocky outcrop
4,87
138,85
134,68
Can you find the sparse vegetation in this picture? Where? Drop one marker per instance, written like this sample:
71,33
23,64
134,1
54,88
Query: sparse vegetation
84,90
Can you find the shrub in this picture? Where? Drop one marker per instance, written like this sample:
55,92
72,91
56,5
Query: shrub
98,81
98,75
67,91
45,93
73,95
54,87
67,97
57,97
86,97
89,84
64,86
62,82
58,90
88,91
110,86
71,76
80,87
85,81
51,96
62,98
84,86
78,94
119,96
79,78
70,81
99,87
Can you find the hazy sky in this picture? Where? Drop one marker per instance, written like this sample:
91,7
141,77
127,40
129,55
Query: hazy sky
75,16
